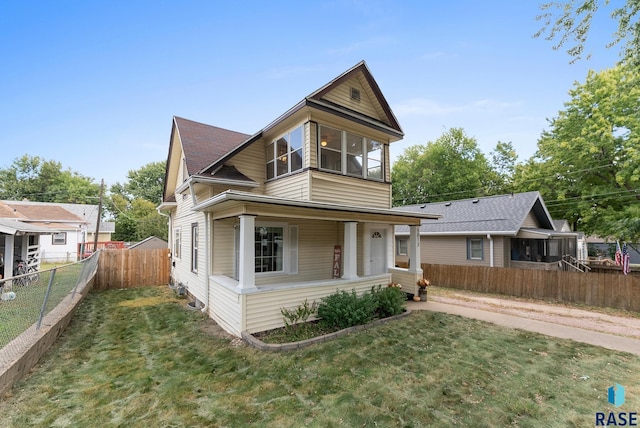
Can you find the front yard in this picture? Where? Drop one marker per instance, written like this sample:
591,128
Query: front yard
137,357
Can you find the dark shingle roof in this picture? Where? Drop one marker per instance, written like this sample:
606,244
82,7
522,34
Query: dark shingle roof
204,144
502,214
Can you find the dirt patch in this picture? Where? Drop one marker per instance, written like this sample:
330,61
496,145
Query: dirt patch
211,328
613,322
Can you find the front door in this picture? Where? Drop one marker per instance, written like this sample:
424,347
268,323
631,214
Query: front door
378,244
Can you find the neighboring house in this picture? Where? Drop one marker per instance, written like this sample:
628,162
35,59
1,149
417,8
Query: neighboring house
294,212
19,240
513,230
603,250
70,227
152,242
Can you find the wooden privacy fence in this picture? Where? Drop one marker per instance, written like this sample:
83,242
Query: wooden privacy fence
132,268
593,289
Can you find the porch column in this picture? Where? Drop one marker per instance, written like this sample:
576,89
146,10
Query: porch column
247,262
350,250
414,249
8,256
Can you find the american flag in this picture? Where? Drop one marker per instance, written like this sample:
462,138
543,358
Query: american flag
626,268
618,254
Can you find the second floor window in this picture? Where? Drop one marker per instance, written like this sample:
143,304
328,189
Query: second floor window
284,155
350,154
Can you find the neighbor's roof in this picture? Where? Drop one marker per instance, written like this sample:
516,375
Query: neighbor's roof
500,215
14,226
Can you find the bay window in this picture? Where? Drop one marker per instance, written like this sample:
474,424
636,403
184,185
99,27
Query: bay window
350,154
284,155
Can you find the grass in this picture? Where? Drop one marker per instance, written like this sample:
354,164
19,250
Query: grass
20,313
137,357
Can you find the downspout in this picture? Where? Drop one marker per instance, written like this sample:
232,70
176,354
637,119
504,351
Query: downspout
208,243
490,249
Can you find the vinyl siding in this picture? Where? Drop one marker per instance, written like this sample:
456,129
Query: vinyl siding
263,309
225,307
223,247
327,187
295,186
311,143
251,162
342,96
531,221
452,250
316,242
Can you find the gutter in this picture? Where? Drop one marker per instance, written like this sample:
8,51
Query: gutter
232,195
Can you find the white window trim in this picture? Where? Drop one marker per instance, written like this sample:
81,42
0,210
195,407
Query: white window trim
343,155
53,238
274,143
290,248
194,246
398,251
469,254
176,248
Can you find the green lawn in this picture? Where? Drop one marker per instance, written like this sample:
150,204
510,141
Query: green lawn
137,357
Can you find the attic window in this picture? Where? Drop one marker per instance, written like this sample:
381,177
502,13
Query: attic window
355,94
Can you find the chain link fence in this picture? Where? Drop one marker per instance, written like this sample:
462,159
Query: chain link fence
26,299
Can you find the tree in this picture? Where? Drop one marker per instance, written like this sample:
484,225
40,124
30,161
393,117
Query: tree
503,164
133,204
452,167
587,166
571,20
39,180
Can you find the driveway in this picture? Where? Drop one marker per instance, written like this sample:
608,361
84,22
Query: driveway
613,329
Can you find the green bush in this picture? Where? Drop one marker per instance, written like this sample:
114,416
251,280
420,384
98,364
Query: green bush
389,301
342,310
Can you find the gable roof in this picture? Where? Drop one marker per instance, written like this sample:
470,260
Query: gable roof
203,144
499,215
207,147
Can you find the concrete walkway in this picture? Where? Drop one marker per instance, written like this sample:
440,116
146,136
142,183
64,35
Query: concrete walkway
606,340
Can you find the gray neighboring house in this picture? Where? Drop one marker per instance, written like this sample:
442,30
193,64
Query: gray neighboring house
514,230
152,242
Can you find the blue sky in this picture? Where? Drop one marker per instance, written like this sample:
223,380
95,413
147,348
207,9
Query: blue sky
94,85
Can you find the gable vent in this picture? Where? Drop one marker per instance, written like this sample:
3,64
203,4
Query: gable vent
355,94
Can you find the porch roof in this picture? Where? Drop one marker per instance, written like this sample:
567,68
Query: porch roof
233,203
533,233
17,227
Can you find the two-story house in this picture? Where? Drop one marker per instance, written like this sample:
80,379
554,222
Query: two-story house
294,212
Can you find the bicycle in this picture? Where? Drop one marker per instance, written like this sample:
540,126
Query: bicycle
25,274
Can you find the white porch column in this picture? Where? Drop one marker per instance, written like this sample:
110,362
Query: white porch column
8,256
350,250
490,249
247,262
414,249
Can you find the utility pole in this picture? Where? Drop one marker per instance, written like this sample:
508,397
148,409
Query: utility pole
95,239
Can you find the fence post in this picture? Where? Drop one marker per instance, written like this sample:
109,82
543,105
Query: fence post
46,298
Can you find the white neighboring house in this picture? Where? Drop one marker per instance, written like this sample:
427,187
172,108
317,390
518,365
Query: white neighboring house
71,228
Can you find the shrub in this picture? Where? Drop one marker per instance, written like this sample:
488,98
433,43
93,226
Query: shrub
389,301
293,318
342,310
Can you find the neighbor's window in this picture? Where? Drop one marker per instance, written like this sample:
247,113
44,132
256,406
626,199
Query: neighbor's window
194,247
284,155
350,154
402,246
474,249
176,243
59,238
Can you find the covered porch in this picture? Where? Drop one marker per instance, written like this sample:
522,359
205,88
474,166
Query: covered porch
288,251
541,246
19,241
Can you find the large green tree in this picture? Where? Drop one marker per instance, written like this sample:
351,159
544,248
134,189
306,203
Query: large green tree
587,165
39,180
133,204
451,167
568,22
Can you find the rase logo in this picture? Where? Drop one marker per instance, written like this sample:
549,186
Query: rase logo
615,396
